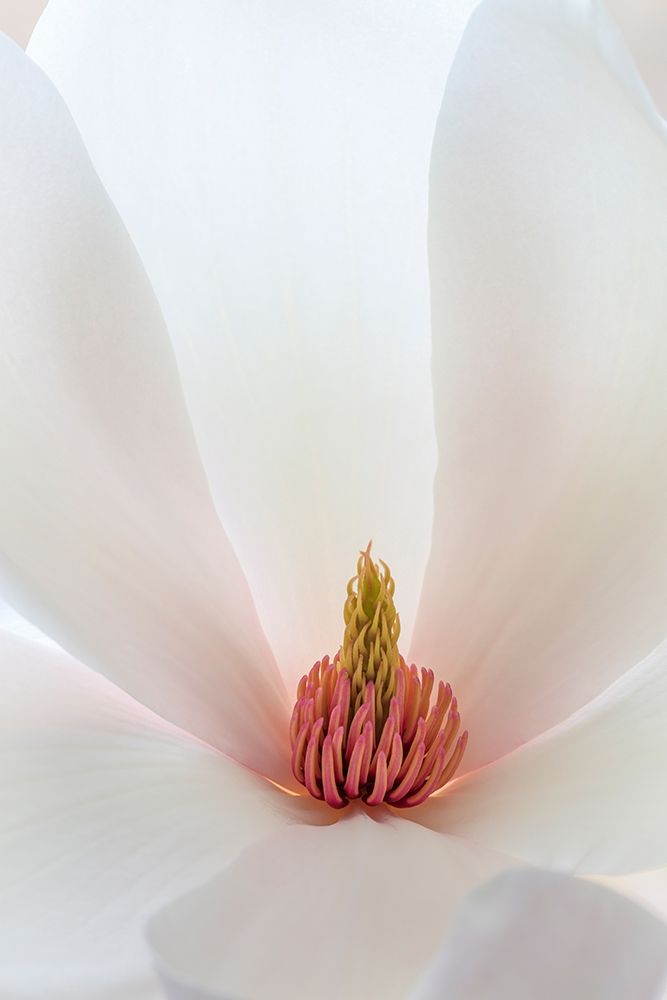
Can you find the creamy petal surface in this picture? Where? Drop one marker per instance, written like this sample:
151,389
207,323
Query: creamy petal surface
107,813
548,243
109,540
353,910
271,163
528,934
587,796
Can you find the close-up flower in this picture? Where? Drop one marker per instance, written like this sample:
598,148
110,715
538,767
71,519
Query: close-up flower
333,519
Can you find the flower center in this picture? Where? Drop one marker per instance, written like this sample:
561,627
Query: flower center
363,725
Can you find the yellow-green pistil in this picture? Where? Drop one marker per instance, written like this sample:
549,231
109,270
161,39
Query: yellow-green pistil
372,627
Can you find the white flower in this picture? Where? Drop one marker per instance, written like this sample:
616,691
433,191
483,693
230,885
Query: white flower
270,164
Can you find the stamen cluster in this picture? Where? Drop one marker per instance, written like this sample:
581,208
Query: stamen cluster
341,753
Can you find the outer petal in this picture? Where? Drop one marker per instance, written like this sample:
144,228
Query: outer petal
588,796
106,811
353,910
530,934
108,538
270,161
548,576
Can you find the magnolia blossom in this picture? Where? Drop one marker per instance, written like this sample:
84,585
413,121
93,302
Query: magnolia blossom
223,369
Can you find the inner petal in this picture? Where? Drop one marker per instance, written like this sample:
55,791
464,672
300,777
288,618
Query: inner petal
548,571
291,145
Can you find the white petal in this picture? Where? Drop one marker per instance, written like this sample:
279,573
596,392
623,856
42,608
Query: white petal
529,934
588,796
648,888
106,812
109,541
12,621
548,576
271,165
352,910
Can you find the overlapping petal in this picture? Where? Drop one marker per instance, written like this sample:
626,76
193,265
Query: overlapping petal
584,797
548,576
353,910
109,540
12,621
531,933
649,888
644,25
18,19
107,813
270,161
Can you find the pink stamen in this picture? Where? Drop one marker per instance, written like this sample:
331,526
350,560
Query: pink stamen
298,752
354,771
454,761
408,781
294,722
358,723
412,699
427,687
399,757
400,697
428,786
452,727
395,761
412,753
329,787
312,771
367,739
369,699
335,719
437,713
339,768
380,785
384,746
